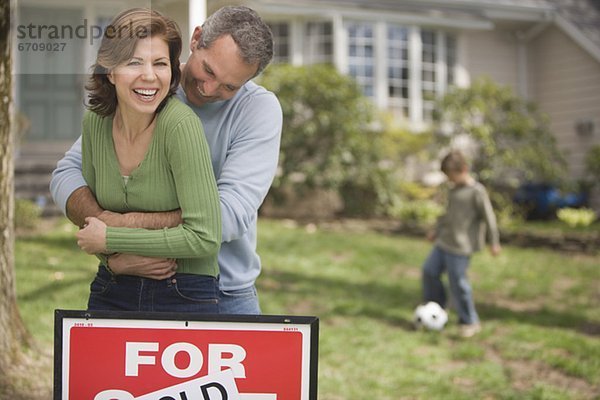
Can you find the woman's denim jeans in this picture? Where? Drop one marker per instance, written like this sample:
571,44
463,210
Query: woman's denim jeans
180,293
456,265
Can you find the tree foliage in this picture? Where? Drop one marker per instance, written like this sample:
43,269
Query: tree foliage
328,141
511,141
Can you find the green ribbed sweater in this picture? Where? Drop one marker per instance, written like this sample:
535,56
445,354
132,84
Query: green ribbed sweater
175,173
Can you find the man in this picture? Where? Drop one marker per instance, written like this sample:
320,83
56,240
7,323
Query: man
242,122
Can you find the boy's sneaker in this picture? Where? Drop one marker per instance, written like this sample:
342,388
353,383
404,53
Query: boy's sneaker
470,330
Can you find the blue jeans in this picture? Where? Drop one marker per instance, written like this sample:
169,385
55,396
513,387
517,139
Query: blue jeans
440,260
180,293
240,301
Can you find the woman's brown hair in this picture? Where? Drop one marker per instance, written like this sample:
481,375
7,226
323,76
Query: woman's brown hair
118,45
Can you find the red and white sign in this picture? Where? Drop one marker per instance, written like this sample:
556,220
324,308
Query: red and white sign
154,359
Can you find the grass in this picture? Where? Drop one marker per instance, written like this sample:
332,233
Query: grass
539,308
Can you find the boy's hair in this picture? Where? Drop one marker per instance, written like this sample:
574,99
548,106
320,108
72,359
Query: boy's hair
454,162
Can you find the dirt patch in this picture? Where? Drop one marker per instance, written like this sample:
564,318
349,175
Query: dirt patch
531,305
525,375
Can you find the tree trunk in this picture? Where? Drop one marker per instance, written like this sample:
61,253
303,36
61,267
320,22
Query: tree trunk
12,332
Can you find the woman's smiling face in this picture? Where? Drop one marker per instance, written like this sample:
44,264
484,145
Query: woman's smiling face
143,81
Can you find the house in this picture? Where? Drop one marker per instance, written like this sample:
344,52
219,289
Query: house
403,53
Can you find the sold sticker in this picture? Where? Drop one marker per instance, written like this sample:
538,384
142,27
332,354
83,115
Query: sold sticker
217,386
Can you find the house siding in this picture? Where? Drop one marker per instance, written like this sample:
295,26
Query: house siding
179,13
566,86
492,54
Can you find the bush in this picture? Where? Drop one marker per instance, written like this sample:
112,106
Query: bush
27,214
510,139
419,213
329,140
577,217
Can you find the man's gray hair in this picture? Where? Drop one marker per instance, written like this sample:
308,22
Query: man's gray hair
252,35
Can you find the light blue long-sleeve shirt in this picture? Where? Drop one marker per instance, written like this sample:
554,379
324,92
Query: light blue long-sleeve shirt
243,135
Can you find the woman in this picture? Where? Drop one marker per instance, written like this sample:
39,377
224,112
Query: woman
143,150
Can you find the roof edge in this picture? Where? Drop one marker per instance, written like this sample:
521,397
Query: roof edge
578,36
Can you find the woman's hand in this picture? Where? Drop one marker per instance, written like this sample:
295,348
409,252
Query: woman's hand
145,267
92,238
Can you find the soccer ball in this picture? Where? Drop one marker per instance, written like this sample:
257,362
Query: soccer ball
430,316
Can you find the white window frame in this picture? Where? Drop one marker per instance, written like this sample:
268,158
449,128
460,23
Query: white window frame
298,30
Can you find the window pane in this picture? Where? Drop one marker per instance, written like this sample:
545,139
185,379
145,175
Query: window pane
428,37
395,53
281,39
352,52
318,46
428,76
429,59
405,73
397,49
361,52
428,56
450,58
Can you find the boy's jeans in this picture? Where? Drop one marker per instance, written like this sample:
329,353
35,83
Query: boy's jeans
440,260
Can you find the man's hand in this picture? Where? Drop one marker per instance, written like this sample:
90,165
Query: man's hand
145,267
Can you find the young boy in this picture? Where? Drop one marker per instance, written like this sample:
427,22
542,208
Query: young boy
459,233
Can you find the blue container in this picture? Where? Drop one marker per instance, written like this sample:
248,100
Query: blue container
541,200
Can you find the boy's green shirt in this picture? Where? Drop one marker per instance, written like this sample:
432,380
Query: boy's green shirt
469,218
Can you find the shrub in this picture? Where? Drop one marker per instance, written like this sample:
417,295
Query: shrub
577,217
511,141
329,140
27,214
424,212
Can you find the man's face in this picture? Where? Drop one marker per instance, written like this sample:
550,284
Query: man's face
215,73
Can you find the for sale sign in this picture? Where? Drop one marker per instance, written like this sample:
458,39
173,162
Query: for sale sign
156,356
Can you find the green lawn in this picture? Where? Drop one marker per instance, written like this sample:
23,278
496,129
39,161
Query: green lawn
540,311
